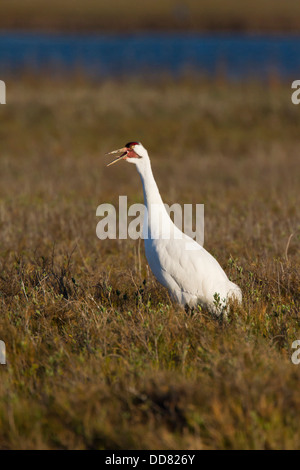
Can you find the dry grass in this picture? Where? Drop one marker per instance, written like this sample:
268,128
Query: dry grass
129,16
97,356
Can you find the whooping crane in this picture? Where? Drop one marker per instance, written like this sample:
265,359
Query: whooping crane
192,276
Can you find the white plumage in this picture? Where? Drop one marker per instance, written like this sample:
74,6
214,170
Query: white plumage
191,274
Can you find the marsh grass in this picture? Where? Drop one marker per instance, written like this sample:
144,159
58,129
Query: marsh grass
97,355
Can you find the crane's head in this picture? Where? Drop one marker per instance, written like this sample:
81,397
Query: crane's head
133,152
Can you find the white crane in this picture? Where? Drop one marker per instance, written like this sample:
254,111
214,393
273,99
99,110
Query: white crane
191,274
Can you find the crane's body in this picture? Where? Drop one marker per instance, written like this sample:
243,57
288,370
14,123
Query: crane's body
191,274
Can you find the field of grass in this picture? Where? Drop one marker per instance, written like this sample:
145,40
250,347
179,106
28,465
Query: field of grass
97,355
165,15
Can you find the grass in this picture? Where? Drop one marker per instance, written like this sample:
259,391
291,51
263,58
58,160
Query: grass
97,355
167,15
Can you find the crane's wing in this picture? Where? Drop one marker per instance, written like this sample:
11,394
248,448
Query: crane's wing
185,267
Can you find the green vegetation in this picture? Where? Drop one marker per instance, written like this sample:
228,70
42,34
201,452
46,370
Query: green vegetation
97,355
166,15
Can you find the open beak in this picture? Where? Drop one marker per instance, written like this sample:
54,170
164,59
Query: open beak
123,151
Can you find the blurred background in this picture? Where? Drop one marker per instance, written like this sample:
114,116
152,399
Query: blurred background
98,357
121,38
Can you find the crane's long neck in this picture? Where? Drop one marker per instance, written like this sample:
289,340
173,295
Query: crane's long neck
150,189
155,210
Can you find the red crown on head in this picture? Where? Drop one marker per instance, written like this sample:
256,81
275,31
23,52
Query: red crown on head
131,144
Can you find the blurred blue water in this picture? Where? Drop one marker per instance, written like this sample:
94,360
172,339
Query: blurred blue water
236,56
